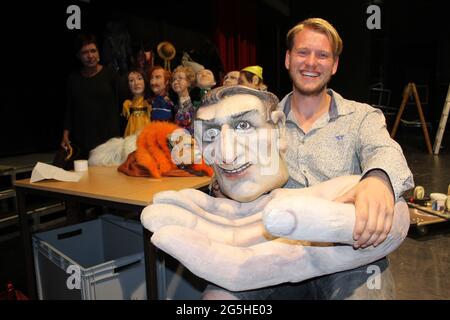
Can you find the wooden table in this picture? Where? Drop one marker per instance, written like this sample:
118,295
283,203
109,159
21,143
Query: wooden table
103,186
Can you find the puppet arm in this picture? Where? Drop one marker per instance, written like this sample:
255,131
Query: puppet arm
271,262
263,262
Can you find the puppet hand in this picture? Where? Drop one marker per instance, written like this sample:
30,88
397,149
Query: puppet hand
224,220
225,242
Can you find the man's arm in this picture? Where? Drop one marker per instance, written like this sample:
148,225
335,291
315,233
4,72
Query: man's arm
386,177
67,121
377,150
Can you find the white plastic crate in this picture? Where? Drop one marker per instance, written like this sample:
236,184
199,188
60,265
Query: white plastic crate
176,282
108,252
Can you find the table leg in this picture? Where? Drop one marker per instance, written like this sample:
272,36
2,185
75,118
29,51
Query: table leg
27,244
150,256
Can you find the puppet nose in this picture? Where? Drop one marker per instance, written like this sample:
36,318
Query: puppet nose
228,145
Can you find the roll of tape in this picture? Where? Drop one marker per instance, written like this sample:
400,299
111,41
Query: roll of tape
80,165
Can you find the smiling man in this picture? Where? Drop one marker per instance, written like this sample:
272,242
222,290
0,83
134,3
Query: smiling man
336,136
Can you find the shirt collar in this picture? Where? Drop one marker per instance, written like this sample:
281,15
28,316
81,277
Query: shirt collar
338,106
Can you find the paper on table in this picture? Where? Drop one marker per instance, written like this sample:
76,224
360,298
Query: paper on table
43,171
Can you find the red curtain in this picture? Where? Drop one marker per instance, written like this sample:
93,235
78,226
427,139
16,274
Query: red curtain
235,33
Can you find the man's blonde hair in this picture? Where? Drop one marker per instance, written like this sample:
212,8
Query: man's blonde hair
319,25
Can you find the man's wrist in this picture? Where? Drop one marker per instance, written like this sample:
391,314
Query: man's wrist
380,173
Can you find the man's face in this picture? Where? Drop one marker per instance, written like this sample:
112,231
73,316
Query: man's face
158,83
242,145
231,78
89,55
310,62
136,83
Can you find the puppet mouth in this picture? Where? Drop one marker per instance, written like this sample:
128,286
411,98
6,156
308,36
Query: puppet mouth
236,171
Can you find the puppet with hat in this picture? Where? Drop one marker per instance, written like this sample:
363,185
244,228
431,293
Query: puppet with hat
252,76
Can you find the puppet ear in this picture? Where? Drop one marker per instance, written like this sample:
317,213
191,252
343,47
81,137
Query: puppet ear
279,119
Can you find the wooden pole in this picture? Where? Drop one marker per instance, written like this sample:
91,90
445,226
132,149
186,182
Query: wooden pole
411,89
406,94
422,119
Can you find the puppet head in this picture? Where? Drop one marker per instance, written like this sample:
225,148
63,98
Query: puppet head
231,78
136,83
205,79
159,80
241,134
252,77
182,80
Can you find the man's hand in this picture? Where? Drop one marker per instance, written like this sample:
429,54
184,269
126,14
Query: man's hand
374,204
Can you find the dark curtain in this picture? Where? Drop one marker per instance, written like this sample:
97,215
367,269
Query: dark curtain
235,33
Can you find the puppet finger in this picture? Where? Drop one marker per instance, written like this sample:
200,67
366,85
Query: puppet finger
157,216
310,218
213,209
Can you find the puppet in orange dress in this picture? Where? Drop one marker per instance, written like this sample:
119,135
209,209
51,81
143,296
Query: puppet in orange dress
137,111
165,149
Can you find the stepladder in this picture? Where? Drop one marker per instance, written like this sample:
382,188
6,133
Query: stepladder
411,89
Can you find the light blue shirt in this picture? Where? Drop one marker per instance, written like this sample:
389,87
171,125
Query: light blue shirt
350,139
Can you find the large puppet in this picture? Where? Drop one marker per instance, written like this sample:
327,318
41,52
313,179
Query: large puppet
262,235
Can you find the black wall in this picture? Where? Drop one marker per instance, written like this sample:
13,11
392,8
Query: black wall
36,55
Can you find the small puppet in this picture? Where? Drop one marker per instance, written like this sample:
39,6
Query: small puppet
231,78
182,80
252,77
204,82
165,150
162,106
137,110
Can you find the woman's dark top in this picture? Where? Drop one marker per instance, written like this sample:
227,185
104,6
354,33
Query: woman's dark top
93,113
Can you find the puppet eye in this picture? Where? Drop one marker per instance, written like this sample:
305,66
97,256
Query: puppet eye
243,125
210,134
